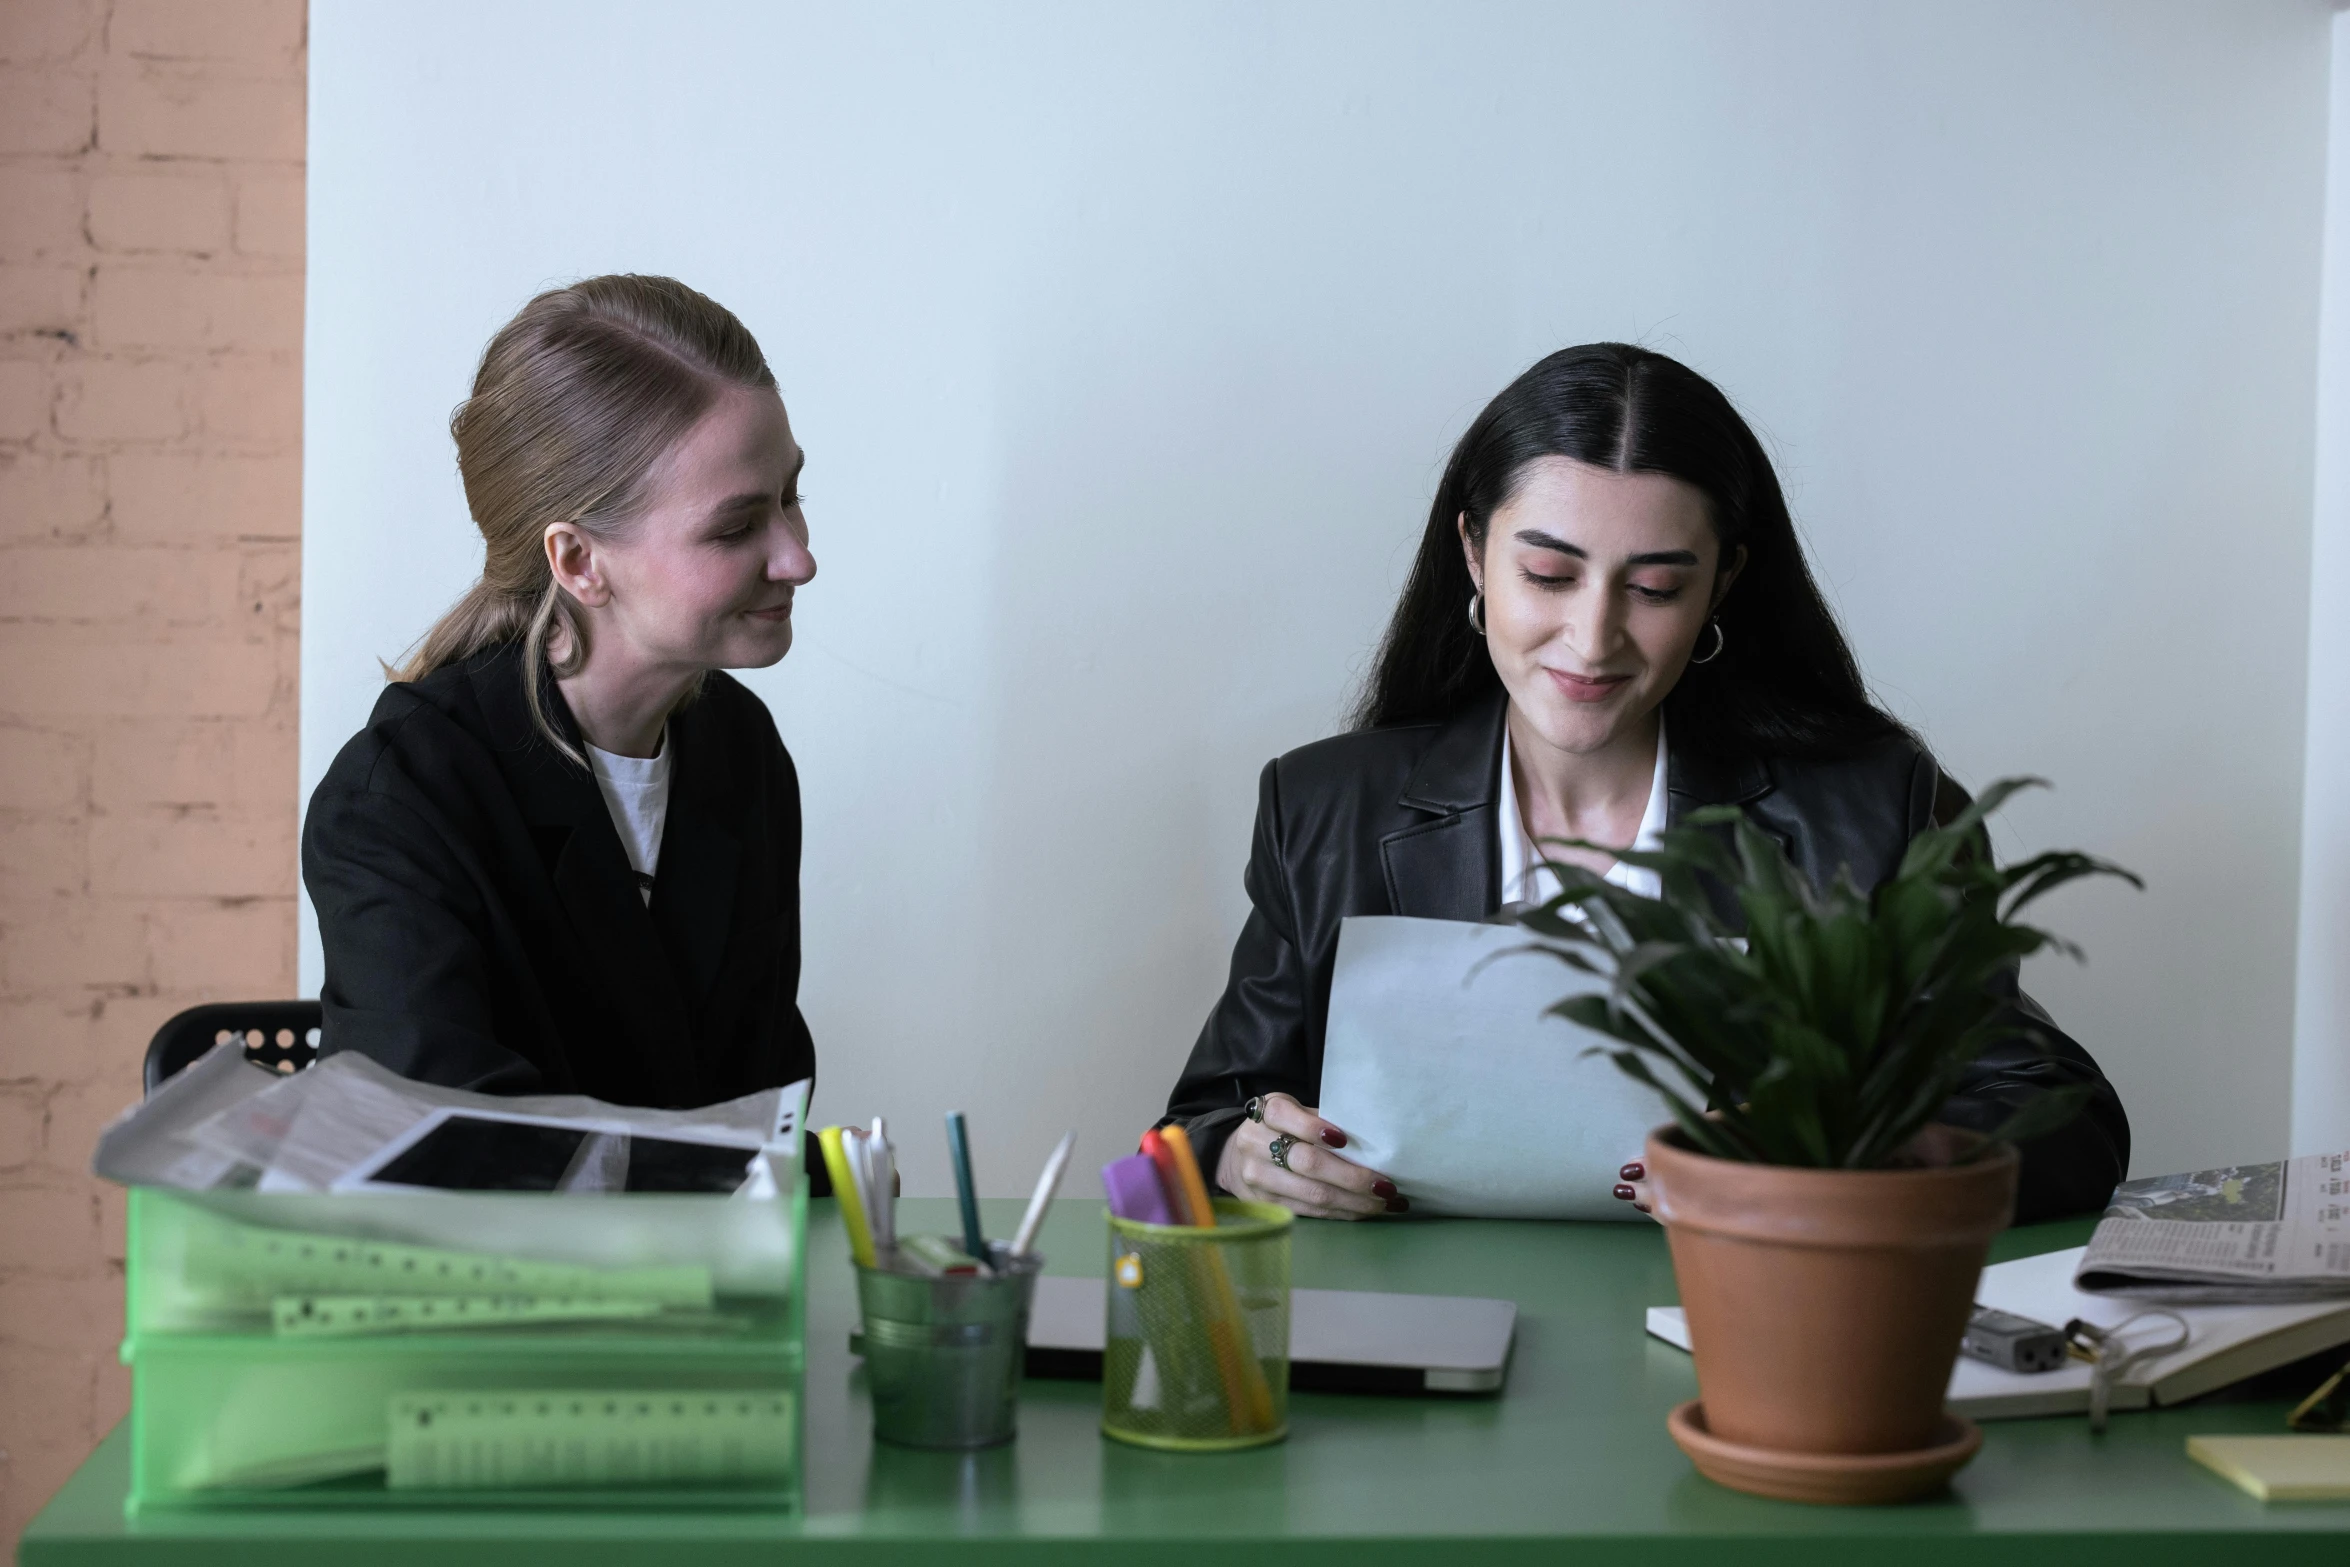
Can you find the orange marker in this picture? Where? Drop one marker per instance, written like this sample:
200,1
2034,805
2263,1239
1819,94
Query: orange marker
1162,1157
1247,1397
1195,1190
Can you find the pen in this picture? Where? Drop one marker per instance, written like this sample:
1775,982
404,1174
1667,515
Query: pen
1046,1185
844,1187
881,1163
959,1154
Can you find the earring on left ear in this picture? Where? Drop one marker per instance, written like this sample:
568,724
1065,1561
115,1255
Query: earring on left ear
1720,642
1477,611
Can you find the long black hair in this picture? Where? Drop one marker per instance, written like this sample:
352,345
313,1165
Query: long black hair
1785,683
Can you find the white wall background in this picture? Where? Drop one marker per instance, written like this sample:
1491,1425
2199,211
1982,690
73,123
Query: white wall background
2321,1045
1127,343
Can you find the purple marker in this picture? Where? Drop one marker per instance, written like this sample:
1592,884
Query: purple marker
1134,1190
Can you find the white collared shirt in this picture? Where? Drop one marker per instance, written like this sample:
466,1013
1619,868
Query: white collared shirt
1525,879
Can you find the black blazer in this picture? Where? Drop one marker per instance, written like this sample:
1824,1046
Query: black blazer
483,928
1402,821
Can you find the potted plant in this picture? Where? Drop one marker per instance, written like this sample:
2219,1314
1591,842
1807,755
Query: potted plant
1826,1233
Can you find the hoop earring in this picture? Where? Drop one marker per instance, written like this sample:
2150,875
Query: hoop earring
1477,612
1720,642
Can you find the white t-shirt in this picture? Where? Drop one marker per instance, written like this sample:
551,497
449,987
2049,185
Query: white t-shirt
636,792
1525,879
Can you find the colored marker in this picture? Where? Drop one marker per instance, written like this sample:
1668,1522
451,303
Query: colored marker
1162,1159
1135,1191
1195,1190
1246,1393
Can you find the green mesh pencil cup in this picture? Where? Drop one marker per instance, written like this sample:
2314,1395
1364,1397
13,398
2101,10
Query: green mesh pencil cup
1196,1353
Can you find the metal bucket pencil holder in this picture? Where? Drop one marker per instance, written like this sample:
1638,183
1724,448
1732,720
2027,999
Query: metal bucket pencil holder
943,1354
1196,1355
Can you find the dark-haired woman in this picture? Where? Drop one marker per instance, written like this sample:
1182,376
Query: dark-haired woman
1610,625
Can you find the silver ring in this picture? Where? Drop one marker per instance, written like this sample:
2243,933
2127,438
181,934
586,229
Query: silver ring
1278,1151
1255,1109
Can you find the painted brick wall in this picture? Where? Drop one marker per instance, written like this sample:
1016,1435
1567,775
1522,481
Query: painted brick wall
150,535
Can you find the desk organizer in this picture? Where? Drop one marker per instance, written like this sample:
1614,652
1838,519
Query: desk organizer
943,1356
505,1349
1196,1353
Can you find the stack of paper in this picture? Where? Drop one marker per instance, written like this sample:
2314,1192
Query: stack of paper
348,1124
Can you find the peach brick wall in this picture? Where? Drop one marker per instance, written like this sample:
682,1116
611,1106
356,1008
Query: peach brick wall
150,550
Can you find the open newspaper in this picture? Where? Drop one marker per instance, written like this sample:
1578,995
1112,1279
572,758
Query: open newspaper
2248,1232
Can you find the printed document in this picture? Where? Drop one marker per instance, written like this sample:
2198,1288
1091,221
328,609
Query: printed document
1447,1073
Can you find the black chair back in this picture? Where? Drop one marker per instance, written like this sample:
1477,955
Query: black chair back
280,1035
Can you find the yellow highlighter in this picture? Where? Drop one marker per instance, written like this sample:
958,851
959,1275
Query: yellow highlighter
844,1187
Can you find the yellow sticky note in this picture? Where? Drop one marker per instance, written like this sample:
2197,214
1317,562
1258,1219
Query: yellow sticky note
2279,1468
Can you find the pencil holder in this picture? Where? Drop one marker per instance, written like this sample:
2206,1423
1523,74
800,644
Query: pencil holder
1196,1353
943,1354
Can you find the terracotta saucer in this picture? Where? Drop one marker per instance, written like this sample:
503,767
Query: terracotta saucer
1845,1478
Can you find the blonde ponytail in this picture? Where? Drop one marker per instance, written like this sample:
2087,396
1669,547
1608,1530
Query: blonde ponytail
576,399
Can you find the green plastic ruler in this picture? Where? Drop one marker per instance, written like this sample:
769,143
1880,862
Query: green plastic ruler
522,1441
246,1264
332,1316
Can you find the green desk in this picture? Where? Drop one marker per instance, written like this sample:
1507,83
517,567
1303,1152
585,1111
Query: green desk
1570,1463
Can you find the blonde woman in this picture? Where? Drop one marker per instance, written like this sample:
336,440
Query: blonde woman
563,856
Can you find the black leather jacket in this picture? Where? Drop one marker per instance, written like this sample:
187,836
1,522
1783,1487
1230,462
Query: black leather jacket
483,929
1402,821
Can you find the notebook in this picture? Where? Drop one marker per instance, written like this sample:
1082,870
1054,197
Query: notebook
2225,1344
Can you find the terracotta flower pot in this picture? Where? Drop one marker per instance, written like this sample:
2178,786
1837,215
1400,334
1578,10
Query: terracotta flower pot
1825,1306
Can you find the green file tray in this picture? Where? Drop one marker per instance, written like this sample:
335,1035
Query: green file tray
442,1349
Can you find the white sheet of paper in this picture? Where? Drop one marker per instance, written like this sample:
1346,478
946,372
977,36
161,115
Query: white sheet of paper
1449,1077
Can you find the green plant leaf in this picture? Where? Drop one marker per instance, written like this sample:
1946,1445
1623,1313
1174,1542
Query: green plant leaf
1823,1025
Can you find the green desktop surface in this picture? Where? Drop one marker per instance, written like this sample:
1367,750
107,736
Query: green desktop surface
1570,1462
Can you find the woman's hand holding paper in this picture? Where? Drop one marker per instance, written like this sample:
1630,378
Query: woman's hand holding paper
1310,1178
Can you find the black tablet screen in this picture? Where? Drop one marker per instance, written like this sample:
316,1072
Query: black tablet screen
476,1154
657,1165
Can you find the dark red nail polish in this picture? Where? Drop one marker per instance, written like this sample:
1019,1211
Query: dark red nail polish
1383,1188
1625,1194
1334,1137
1632,1171
1399,1205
